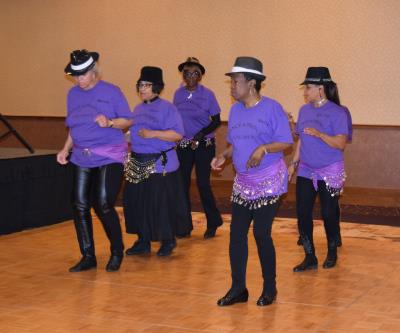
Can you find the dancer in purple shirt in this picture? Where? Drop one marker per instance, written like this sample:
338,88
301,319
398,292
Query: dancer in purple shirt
258,132
154,204
97,113
200,111
323,130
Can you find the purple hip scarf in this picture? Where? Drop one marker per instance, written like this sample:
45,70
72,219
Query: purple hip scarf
261,188
333,175
116,152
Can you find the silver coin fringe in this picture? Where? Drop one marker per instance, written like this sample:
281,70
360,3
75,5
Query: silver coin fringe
254,203
136,172
334,185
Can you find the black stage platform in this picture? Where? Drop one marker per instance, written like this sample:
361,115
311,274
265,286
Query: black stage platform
34,189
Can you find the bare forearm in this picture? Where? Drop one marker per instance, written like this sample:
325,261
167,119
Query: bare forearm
337,141
275,147
120,123
296,155
227,153
68,143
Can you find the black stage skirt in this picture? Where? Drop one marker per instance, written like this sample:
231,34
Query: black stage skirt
156,208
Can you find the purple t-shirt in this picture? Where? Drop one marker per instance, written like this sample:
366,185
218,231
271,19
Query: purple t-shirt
251,127
196,108
158,115
83,106
330,119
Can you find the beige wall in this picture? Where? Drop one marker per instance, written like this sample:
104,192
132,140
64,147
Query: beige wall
356,39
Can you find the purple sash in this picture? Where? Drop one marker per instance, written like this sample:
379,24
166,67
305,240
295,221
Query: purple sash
262,187
116,152
333,175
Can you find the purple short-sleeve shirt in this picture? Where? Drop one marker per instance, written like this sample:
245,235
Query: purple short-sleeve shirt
83,107
251,127
330,119
196,108
158,115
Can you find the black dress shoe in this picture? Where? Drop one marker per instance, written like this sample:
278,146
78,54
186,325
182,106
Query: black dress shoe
233,297
114,263
330,261
184,235
139,247
166,248
266,299
309,262
210,233
87,262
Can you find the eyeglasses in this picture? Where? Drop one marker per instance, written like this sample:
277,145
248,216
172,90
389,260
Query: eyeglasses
189,74
143,85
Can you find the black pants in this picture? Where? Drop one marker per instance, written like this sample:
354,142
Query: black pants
305,199
238,249
201,159
97,187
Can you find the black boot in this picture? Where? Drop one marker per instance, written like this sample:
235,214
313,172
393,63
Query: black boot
87,262
338,240
114,263
331,257
299,241
233,297
310,261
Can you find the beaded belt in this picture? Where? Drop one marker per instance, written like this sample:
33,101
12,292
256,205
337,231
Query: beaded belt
139,167
184,143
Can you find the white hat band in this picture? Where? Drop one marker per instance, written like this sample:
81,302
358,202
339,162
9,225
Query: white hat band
238,69
316,79
82,66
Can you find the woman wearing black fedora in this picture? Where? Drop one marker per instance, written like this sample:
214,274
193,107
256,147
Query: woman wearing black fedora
97,113
200,113
154,203
323,130
258,132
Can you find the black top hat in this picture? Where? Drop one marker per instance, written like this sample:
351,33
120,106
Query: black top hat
248,65
81,61
151,74
317,75
192,61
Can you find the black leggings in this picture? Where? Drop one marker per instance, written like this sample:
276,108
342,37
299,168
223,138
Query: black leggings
97,187
201,159
238,249
305,199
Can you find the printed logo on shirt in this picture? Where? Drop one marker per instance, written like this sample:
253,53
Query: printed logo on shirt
103,101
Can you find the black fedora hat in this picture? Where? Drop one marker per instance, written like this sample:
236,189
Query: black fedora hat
81,61
192,61
248,65
317,75
151,74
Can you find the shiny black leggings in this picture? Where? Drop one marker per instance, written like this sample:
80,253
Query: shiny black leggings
97,187
305,199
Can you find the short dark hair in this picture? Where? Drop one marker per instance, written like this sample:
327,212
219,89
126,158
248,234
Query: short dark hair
250,76
157,88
